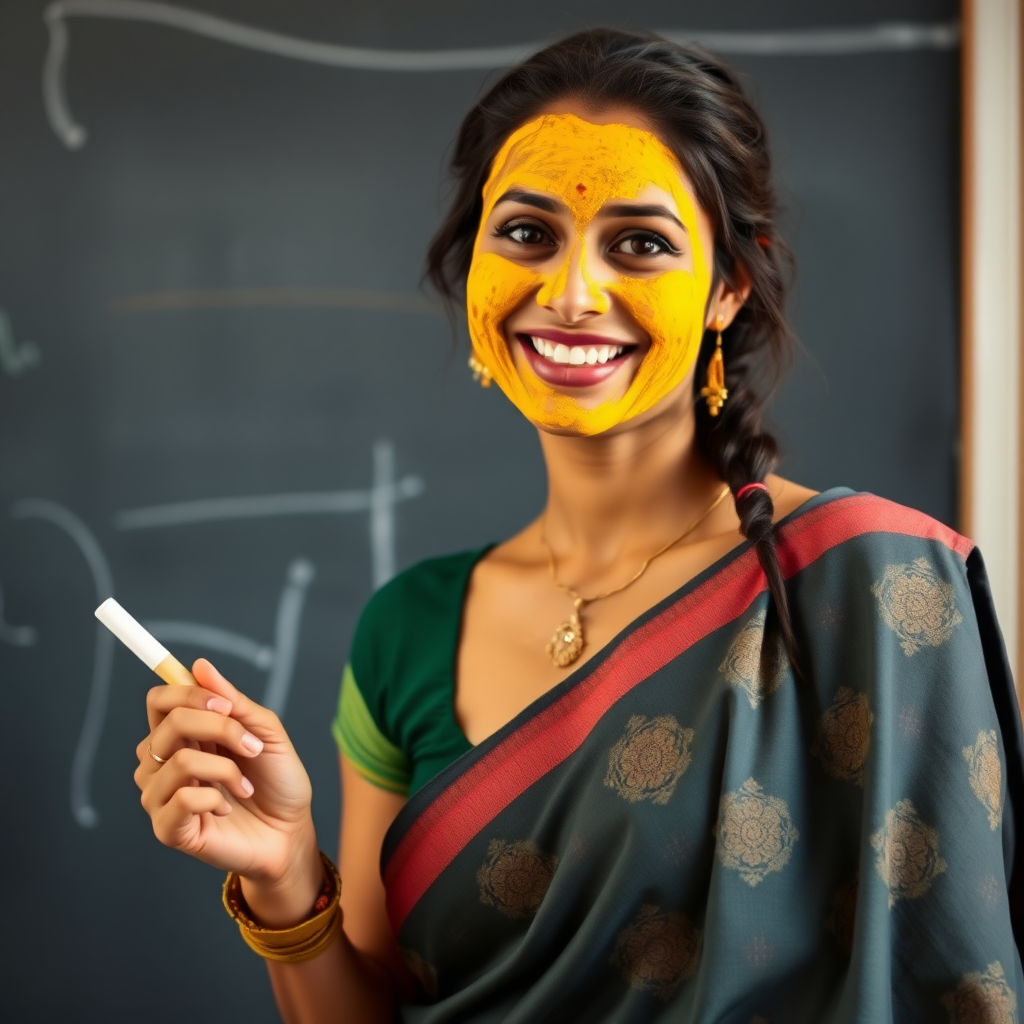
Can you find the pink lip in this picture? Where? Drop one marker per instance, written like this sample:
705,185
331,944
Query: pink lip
564,375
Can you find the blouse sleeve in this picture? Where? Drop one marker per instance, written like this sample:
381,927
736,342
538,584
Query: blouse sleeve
360,739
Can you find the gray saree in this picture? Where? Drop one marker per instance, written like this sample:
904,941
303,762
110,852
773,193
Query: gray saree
684,830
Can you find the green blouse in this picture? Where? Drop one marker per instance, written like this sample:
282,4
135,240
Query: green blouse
396,713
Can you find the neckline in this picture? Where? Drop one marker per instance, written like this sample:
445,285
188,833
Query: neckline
821,498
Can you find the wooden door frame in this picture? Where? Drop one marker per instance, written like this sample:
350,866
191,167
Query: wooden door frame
991,506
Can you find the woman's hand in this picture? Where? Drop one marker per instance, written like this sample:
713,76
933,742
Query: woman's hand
232,791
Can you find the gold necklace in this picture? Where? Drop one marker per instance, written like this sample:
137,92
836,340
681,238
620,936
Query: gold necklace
567,643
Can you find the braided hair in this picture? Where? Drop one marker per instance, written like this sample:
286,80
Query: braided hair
697,106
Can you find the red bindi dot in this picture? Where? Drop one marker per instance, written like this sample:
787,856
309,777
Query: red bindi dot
581,189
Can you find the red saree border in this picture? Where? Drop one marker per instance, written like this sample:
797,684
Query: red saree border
544,741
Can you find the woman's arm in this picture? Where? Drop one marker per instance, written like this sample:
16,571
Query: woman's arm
228,788
359,977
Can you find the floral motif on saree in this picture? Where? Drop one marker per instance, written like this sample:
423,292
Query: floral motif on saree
908,853
985,773
657,950
755,833
649,760
982,997
916,605
843,736
755,662
515,877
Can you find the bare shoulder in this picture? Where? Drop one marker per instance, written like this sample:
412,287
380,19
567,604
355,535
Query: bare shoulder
787,496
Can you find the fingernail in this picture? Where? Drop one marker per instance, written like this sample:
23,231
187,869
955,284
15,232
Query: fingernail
246,786
253,745
218,704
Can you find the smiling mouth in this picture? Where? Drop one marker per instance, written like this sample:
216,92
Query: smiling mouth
575,355
589,360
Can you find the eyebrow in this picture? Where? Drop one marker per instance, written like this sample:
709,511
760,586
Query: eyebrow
641,210
516,195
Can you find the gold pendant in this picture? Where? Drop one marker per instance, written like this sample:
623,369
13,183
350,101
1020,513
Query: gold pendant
567,643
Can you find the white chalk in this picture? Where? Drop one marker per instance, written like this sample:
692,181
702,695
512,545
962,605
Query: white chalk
143,644
139,641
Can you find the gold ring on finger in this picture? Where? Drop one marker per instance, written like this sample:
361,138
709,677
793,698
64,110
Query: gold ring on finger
156,757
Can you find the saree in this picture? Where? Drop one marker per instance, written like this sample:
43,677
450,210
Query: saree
685,829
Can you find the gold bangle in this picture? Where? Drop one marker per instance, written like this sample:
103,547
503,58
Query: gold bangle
303,941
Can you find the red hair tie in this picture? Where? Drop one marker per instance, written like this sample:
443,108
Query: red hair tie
763,240
750,487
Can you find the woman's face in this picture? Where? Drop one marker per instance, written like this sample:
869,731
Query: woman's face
589,284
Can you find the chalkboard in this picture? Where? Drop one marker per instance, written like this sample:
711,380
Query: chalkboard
224,399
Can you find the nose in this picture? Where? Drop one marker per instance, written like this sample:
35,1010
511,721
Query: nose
571,291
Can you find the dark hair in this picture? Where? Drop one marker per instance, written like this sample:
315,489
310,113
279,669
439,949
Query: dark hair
698,108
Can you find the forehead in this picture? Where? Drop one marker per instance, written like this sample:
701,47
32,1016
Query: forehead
585,163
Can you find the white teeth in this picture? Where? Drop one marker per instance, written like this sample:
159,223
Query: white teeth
577,355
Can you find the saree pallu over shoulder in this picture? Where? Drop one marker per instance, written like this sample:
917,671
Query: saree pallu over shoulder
683,830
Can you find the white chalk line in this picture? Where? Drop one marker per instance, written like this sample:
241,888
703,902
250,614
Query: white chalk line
845,41
259,507
82,808
852,40
379,500
286,635
278,661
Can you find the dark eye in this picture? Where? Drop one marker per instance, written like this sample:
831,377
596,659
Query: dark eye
645,243
524,233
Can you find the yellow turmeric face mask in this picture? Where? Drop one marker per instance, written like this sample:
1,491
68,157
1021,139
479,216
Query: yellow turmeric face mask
586,166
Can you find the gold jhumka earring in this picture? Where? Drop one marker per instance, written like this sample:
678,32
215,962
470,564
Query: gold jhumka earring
716,392
480,372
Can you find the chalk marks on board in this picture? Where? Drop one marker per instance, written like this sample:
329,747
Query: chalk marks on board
277,660
278,657
210,638
82,809
16,636
16,357
73,135
379,501
843,40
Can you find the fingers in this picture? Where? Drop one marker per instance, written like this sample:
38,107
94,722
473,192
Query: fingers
186,767
175,822
214,693
259,720
188,727
161,700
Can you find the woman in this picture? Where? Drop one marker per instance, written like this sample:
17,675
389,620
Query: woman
697,744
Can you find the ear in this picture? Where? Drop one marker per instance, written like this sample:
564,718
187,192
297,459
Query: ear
728,299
